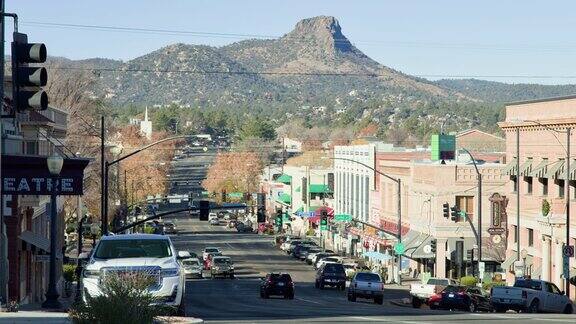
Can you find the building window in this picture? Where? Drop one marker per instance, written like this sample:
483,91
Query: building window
560,184
465,204
528,181
514,182
544,182
32,148
572,188
514,227
530,237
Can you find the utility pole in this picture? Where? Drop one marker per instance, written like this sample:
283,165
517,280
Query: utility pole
517,194
3,238
399,182
103,202
567,184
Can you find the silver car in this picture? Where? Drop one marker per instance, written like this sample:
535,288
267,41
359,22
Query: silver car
192,268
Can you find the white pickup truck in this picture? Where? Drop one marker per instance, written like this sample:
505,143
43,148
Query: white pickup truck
422,292
532,296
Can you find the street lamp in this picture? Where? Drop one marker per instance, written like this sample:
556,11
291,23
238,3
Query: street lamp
399,183
479,236
54,164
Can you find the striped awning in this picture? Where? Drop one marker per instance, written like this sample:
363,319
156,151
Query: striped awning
552,172
562,172
510,168
526,168
540,170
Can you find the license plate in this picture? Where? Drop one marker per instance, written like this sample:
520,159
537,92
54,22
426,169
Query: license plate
280,284
451,295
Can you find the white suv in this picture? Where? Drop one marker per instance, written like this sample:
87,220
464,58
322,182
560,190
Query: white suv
150,254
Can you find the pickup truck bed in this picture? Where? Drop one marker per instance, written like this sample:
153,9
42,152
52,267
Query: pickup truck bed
422,292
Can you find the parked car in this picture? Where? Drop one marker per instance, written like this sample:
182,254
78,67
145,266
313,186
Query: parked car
434,301
532,296
222,266
366,285
464,298
350,269
298,249
150,254
303,255
170,228
243,228
319,256
331,274
286,244
192,268
330,259
214,221
295,243
422,292
280,284
209,250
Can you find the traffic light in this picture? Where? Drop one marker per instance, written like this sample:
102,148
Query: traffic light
279,217
261,200
446,210
433,246
261,216
204,207
223,195
454,213
27,81
324,218
470,255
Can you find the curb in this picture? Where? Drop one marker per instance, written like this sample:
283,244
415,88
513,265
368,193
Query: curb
175,319
400,302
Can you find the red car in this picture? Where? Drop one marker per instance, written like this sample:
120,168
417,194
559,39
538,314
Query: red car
435,300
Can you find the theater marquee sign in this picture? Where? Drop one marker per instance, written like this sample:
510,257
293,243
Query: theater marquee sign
29,175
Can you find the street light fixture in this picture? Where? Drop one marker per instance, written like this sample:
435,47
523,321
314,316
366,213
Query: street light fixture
54,164
399,183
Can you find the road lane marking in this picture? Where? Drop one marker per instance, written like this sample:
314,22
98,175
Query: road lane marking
309,301
230,246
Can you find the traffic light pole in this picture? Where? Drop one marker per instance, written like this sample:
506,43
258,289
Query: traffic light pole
479,216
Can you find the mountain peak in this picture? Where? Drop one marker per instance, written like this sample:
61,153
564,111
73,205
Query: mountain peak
324,29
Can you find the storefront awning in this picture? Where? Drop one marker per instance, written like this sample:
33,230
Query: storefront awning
36,240
285,179
540,170
415,243
378,256
553,169
298,189
284,199
508,262
526,168
562,172
510,168
319,188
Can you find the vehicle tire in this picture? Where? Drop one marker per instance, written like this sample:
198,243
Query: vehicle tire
353,298
534,307
291,296
472,307
416,302
212,276
379,300
321,285
231,276
343,287
316,284
181,311
568,309
432,307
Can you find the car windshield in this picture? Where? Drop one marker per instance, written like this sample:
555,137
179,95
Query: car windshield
530,284
280,277
450,289
222,261
333,268
210,250
113,249
439,282
191,262
368,277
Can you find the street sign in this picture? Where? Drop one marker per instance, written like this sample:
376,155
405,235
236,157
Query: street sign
568,251
342,218
496,230
519,269
399,248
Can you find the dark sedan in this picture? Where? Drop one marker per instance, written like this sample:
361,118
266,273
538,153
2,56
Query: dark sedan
470,299
279,284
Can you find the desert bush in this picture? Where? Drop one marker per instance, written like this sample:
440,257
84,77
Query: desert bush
69,272
468,281
125,299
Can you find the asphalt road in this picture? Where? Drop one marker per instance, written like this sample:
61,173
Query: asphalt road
190,171
238,301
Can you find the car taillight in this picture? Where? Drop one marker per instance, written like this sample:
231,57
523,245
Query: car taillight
524,294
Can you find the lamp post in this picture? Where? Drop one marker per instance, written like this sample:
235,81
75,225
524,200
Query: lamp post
54,164
399,202
479,236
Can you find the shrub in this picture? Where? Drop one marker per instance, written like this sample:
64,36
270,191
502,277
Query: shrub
545,207
488,285
69,272
310,232
124,299
148,230
468,281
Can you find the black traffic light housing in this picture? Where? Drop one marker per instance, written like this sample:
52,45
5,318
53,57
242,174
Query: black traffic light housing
454,213
261,216
223,195
204,207
446,210
324,217
470,254
433,246
27,81
279,217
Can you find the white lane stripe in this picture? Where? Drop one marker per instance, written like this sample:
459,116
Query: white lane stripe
309,301
555,320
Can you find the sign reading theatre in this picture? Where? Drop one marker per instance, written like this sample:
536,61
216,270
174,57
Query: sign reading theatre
29,175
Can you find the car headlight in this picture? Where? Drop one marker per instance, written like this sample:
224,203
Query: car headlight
91,273
170,272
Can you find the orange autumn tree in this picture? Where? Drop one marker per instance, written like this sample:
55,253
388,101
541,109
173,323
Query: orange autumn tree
234,172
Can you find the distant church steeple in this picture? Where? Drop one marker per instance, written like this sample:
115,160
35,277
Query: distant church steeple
146,126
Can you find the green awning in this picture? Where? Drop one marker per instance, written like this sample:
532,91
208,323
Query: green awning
298,189
299,210
235,195
319,188
285,179
284,199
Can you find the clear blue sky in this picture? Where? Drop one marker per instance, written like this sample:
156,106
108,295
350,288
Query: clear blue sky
510,38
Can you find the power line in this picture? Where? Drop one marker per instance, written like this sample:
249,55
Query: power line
343,74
